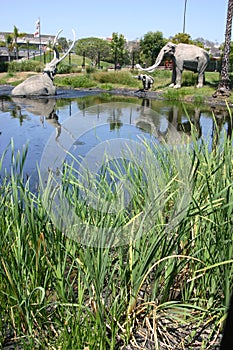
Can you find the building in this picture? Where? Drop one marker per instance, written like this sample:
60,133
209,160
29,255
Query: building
30,45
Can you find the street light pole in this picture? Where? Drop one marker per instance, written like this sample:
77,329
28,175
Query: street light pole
40,39
185,5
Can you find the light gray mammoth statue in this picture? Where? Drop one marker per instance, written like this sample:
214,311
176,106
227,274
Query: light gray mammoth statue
42,84
184,56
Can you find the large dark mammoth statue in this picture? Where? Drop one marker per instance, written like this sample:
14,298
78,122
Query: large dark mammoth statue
184,56
42,84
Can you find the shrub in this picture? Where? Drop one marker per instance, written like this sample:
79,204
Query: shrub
174,94
64,68
3,66
25,66
90,70
189,79
77,81
122,78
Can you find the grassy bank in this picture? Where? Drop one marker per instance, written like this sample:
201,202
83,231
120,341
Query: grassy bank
109,80
169,288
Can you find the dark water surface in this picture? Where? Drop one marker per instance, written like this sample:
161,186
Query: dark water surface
80,121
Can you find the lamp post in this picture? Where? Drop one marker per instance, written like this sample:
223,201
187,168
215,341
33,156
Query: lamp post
28,49
98,60
115,59
133,59
84,58
50,56
185,6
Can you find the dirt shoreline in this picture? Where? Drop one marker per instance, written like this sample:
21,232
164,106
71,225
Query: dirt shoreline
67,92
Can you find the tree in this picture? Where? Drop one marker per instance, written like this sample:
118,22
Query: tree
9,45
118,48
63,44
224,82
150,45
16,35
94,48
182,38
133,48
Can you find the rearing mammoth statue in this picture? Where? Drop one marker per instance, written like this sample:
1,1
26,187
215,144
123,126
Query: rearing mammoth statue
184,56
42,84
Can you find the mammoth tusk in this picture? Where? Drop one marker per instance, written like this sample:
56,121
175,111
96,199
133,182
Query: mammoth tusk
50,67
57,35
56,53
70,48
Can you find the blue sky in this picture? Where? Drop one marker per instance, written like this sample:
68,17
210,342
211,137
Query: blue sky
132,18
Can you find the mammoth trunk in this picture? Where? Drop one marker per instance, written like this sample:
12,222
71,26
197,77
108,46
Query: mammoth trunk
157,62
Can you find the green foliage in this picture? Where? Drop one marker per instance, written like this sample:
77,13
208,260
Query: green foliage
90,69
186,39
119,53
64,68
189,78
3,67
16,34
174,94
93,78
63,44
121,78
25,66
150,46
182,38
94,49
78,81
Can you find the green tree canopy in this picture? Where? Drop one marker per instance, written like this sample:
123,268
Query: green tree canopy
118,47
94,48
182,38
63,44
150,45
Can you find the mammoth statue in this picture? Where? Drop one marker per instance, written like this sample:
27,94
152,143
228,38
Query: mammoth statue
42,84
184,56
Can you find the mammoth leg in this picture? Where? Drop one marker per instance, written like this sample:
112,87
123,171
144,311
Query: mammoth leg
200,80
173,83
201,73
178,78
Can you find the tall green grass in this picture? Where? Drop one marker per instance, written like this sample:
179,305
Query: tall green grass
166,289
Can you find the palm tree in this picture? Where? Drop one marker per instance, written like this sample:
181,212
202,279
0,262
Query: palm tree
224,83
9,45
16,35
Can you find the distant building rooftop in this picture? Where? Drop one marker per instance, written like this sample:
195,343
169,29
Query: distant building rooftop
44,39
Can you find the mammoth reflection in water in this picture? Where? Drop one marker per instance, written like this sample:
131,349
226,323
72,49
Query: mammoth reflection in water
168,124
172,129
43,107
221,117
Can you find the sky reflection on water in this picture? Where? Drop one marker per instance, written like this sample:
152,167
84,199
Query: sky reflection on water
33,122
